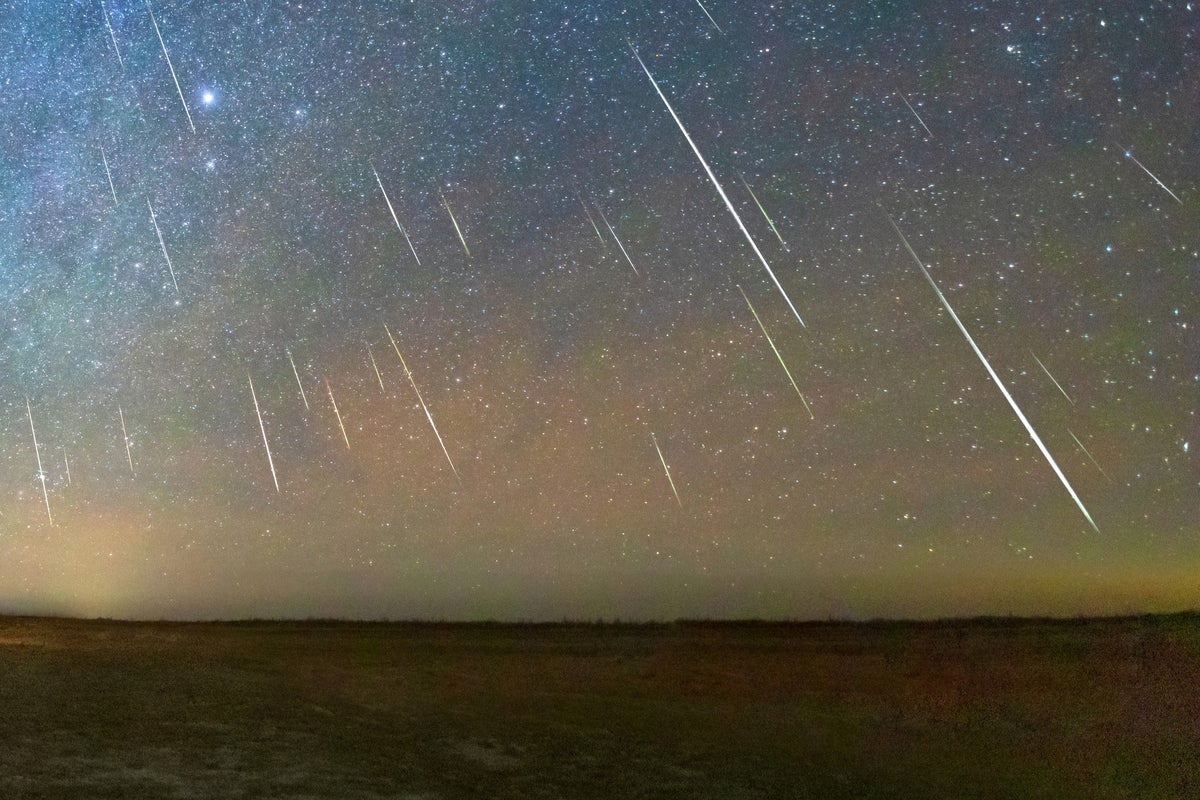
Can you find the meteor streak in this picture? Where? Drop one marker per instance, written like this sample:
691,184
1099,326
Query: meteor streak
303,396
376,366
337,413
394,217
591,220
1051,377
163,245
996,378
112,35
717,184
458,230
666,469
1152,175
764,212
776,349
421,400
915,114
263,428
41,473
614,235
169,65
125,436
1089,455
111,188
67,464
710,19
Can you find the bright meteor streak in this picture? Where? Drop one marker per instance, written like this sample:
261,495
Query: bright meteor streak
125,436
618,241
786,371
379,377
38,453
112,35
458,230
111,188
666,469
263,428
996,378
337,413
717,185
295,372
774,230
1051,377
163,245
1152,175
421,400
170,66
915,114
394,217
592,220
710,19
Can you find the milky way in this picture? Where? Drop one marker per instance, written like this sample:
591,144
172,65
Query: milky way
1042,163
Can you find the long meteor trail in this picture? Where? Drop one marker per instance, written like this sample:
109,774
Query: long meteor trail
163,245
38,453
786,371
666,469
112,35
710,19
125,436
996,378
111,188
394,217
1051,377
1152,175
337,413
774,230
618,241
263,428
717,185
915,114
170,66
379,377
421,400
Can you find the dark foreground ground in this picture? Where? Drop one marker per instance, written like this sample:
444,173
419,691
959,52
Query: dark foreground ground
1020,709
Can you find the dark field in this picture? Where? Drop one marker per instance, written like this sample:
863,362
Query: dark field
1020,709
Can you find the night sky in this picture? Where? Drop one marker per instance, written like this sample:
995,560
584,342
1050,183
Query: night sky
551,367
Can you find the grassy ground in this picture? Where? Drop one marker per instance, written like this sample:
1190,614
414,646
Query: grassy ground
1022,709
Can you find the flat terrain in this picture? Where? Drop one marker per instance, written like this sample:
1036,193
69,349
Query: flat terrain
980,709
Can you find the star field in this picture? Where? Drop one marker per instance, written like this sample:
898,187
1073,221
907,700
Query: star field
1003,138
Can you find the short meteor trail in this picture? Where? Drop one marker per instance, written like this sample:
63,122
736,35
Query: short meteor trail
170,66
295,372
1152,175
337,413
614,235
112,35
421,400
915,114
1089,455
263,428
458,230
717,184
996,378
125,436
67,464
1051,377
376,367
667,470
111,188
592,220
394,217
38,453
163,245
710,19
774,230
786,371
